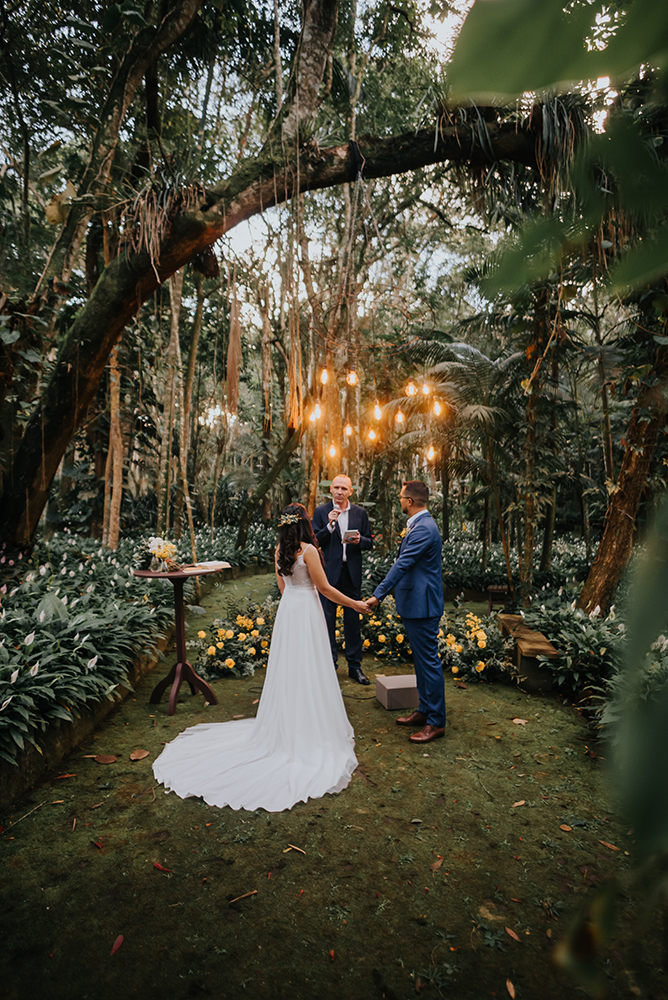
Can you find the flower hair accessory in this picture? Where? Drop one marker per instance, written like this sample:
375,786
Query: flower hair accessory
288,519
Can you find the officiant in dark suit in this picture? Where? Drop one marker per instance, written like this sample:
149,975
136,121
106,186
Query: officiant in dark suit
343,532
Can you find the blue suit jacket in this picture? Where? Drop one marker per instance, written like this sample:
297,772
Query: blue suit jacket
332,544
416,576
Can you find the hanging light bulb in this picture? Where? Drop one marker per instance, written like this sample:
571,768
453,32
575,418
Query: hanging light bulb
312,417
376,411
425,388
437,407
317,411
324,376
351,377
332,451
347,430
410,388
431,454
399,417
372,435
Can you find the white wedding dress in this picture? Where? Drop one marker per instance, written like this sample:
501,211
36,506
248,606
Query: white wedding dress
299,746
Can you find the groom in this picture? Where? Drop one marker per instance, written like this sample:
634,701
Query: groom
343,566
416,578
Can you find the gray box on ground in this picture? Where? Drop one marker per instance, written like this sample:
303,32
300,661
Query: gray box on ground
399,691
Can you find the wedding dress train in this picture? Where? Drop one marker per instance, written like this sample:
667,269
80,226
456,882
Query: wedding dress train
299,746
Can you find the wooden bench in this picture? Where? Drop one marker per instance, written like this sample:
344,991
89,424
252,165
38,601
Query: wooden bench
529,645
496,594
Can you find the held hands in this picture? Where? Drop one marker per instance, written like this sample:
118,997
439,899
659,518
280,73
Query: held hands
372,602
362,607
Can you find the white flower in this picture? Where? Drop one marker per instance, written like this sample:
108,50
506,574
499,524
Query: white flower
596,612
72,573
42,616
29,639
63,601
33,670
12,679
5,703
91,663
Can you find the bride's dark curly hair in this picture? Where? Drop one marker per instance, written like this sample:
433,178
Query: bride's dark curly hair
295,530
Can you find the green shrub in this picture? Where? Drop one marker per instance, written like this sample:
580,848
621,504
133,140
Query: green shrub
238,645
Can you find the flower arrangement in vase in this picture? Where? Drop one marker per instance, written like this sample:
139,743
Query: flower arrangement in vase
162,555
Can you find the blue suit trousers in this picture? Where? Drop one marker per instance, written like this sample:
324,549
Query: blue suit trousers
423,636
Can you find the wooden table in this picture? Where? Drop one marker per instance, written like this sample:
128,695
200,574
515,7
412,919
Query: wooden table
182,670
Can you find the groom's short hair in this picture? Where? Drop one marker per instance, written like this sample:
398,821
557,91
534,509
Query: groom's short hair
416,490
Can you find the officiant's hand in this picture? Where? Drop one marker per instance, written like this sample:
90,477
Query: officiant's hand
362,607
355,540
333,516
372,602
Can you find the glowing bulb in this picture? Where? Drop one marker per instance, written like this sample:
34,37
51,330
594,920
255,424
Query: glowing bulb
351,377
431,454
426,390
376,411
437,407
372,435
332,450
399,417
317,411
347,430
312,417
324,375
410,388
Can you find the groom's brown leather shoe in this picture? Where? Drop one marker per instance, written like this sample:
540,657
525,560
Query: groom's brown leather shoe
414,719
427,734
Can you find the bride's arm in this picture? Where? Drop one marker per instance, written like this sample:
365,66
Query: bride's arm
279,579
317,574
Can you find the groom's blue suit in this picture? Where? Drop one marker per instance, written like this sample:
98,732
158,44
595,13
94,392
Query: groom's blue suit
416,578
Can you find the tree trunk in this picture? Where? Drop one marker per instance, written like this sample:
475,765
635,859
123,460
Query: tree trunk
113,478
548,533
616,544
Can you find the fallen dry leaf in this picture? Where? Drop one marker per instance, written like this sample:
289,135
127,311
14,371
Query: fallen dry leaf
520,803
156,864
237,716
117,943
520,722
510,988
138,754
512,933
565,827
295,848
66,776
437,864
253,892
255,701
57,802
460,684
331,955
606,844
105,758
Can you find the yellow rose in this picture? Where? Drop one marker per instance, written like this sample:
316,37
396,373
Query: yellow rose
458,648
366,643
255,632
381,638
482,644
211,650
229,634
337,633
241,636
229,663
339,612
201,635
389,618
440,633
455,669
264,643
252,651
480,666
219,645
400,638
260,621
450,639
481,634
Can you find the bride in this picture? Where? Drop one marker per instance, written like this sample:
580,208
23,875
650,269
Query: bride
301,744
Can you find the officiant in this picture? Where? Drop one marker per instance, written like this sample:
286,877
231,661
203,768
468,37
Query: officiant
343,532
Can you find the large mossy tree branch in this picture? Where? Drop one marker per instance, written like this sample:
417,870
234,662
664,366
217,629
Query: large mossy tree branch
132,278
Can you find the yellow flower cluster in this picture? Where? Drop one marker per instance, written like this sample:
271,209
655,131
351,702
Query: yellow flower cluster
161,549
251,633
474,630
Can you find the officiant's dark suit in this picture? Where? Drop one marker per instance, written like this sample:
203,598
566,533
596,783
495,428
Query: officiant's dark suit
344,570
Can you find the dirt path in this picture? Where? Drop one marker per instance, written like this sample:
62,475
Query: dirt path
411,878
